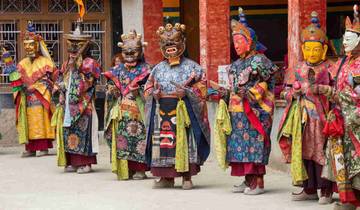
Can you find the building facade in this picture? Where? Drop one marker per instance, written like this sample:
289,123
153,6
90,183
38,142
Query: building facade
278,24
52,19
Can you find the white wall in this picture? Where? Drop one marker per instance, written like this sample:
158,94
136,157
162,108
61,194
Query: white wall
132,12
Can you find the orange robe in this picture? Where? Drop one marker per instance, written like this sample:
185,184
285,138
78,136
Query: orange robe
37,86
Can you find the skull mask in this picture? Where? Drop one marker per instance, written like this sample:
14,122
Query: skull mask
172,42
131,48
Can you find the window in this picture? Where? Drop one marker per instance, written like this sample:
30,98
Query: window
8,39
94,5
51,33
53,19
62,6
69,6
95,30
22,6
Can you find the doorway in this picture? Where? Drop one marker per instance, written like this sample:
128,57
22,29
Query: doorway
189,15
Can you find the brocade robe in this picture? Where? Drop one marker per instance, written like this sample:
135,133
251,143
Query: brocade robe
80,120
349,104
162,151
129,131
304,139
251,116
32,86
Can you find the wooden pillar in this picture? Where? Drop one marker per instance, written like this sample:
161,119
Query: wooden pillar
153,18
214,35
299,12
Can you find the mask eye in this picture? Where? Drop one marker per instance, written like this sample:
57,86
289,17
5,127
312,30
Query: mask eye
82,43
173,120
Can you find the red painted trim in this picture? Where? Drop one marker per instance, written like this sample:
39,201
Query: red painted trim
133,83
255,122
43,101
109,75
356,142
17,105
29,80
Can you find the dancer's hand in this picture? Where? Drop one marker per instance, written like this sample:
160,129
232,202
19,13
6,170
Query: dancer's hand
61,98
314,89
180,92
134,90
324,89
241,92
157,91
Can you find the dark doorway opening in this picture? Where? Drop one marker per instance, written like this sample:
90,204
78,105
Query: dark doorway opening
189,15
271,31
116,23
117,30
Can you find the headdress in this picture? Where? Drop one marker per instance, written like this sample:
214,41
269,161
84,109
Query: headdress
178,28
313,32
172,42
78,34
241,27
355,25
132,36
30,35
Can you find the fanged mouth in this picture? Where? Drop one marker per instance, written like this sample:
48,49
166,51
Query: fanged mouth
132,64
171,50
30,54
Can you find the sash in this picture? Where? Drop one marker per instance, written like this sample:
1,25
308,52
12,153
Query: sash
255,122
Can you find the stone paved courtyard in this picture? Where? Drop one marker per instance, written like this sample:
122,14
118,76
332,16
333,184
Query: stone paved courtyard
36,183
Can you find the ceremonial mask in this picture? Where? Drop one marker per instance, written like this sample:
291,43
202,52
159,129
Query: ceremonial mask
172,41
244,37
314,41
314,52
73,46
131,48
241,44
31,48
350,41
77,39
31,41
352,30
